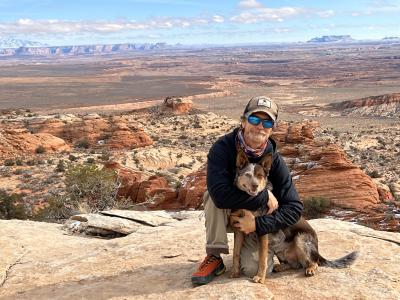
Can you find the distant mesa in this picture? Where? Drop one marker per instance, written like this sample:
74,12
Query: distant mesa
387,105
391,38
19,48
332,39
10,43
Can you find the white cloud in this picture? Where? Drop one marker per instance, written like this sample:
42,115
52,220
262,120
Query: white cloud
250,4
255,12
218,19
268,14
30,26
326,13
378,6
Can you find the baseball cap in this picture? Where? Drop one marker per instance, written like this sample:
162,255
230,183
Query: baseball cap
263,104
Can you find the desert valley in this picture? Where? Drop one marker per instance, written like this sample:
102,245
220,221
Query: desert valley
150,116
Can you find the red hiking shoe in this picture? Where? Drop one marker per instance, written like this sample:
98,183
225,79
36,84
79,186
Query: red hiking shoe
210,267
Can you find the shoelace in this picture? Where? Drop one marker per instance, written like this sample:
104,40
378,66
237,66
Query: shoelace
208,261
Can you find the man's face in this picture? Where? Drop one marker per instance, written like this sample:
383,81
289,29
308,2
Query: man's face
256,135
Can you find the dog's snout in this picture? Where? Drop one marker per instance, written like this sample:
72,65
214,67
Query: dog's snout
254,187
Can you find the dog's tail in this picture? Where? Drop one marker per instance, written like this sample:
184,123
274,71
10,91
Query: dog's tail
339,263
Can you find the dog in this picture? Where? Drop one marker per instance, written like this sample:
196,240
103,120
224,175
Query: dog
296,246
251,178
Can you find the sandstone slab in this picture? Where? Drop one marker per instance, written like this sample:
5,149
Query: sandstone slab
145,265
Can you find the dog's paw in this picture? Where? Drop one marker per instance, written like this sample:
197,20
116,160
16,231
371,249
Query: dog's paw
311,271
259,279
235,274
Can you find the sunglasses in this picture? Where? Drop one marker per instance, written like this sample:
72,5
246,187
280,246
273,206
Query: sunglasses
254,120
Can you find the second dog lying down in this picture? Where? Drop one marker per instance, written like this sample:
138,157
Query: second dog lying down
295,246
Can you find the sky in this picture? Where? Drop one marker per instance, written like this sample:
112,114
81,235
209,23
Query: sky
72,22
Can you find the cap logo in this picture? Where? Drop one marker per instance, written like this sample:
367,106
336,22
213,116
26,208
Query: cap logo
264,102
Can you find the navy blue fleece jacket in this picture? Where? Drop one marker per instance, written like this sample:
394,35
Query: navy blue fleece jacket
221,172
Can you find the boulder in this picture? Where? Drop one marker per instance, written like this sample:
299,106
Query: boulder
178,105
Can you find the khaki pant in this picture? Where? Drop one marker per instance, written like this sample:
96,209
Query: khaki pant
217,227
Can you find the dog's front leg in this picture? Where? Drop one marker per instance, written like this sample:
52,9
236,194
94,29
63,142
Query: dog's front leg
262,260
237,246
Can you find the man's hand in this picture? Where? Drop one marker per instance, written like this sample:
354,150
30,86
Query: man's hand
272,203
246,223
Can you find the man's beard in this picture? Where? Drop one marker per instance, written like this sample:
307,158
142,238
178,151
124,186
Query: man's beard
257,138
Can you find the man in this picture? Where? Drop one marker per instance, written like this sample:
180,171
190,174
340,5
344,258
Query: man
222,195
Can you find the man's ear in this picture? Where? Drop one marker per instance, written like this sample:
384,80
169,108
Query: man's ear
241,159
266,162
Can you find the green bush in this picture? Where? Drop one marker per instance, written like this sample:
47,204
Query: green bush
60,166
11,206
72,157
105,156
88,189
82,143
315,207
96,188
40,150
31,162
90,160
9,162
55,210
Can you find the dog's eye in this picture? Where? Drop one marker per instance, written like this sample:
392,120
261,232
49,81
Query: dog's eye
248,175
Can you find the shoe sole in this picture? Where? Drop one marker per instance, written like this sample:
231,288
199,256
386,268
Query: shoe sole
206,279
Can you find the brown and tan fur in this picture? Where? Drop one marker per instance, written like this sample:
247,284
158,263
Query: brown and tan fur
251,178
295,246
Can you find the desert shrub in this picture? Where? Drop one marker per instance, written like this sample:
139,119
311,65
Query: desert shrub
90,160
11,206
54,211
19,171
9,162
72,157
87,188
374,174
40,150
315,207
19,162
105,156
31,162
105,136
82,143
60,166
89,185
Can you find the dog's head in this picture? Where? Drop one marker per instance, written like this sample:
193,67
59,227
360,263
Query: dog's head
250,177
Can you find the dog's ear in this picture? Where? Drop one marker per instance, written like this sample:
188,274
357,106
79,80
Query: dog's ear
266,162
241,159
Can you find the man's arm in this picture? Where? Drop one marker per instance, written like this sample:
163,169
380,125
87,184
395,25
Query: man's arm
221,170
290,205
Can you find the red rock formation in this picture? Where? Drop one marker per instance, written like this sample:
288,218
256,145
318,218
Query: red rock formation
322,170
129,179
192,190
178,105
368,101
116,133
19,142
